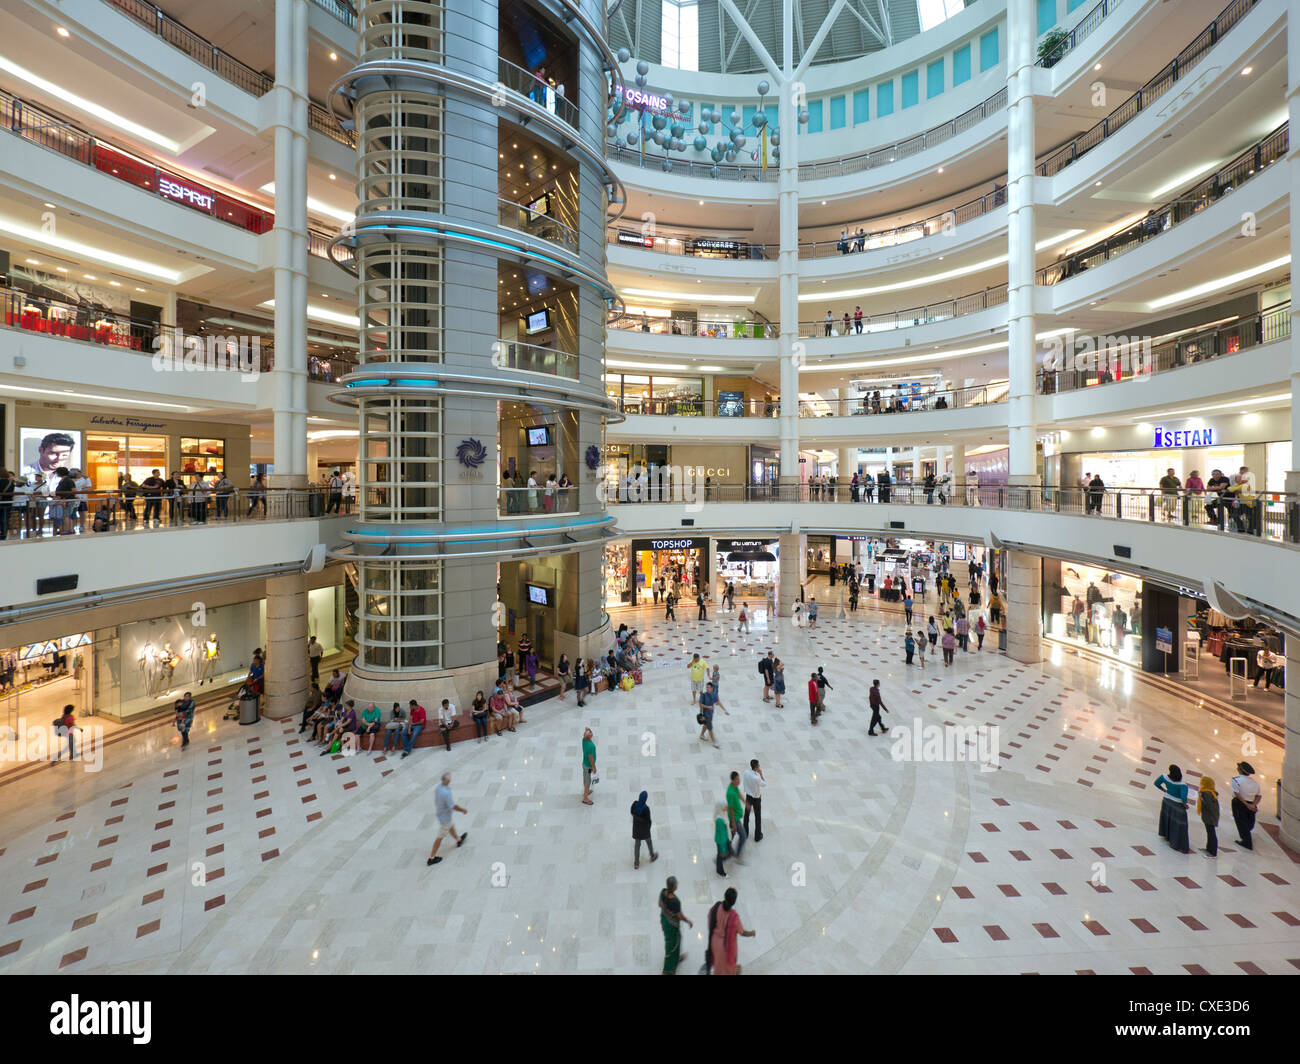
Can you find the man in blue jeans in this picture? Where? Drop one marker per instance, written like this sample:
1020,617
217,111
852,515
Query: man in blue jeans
414,728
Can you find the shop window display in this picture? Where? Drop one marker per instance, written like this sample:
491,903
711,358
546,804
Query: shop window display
1098,608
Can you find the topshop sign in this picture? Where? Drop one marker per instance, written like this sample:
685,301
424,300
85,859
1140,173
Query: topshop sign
1166,438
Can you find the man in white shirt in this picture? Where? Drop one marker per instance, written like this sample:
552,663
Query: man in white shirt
1245,802
447,722
752,782
84,484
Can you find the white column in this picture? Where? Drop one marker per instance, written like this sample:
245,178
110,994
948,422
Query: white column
290,126
286,646
1291,753
1021,22
1021,588
790,348
847,467
792,573
959,474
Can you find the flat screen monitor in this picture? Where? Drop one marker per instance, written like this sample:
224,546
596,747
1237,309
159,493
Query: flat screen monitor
540,436
731,404
538,321
44,450
539,595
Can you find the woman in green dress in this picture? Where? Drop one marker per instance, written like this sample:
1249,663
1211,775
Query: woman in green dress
671,919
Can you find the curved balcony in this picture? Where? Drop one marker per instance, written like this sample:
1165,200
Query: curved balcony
926,314
1178,69
518,80
702,326
530,358
228,68
1079,33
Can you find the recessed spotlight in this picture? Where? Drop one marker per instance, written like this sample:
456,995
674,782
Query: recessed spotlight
116,284
33,262
941,169
1097,66
90,277
62,32
138,288
61,269
823,203
51,206
1247,71
334,56
332,177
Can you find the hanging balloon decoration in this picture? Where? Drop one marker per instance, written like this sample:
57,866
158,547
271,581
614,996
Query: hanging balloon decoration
649,122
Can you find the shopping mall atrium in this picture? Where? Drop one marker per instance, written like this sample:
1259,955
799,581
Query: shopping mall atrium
396,396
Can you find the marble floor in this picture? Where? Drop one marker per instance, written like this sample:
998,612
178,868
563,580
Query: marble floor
249,852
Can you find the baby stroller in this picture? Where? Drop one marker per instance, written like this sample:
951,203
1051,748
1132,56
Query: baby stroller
246,690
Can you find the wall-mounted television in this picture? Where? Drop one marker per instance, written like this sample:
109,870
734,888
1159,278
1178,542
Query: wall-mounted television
538,321
539,595
539,436
541,205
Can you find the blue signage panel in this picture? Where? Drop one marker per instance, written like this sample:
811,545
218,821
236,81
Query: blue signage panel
1165,438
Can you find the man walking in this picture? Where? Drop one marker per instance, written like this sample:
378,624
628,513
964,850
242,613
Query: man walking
699,670
700,601
812,613
588,766
709,699
336,494
907,608
736,815
670,606
877,705
753,782
445,805
314,653
814,694
185,718
766,669
1245,803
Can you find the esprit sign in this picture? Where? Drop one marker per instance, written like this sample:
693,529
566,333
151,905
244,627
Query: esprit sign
177,190
1184,438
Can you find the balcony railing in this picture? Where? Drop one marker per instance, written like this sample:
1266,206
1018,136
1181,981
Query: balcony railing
524,219
1130,360
1082,29
1246,166
37,514
718,329
692,406
909,318
343,10
517,79
534,502
852,164
1186,61
1268,515
531,358
227,67
904,400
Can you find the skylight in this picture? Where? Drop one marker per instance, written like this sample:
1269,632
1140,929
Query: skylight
933,12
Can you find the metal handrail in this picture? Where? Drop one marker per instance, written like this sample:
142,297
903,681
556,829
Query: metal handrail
1247,165
519,80
533,358
1268,515
712,328
524,219
227,66
911,317
1082,29
1186,61
1187,348
35,515
696,406
895,401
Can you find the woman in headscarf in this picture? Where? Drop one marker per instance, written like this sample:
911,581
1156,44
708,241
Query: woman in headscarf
724,928
671,919
1173,810
1207,804
641,830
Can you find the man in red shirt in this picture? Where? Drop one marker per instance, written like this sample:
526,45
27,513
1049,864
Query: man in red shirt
877,704
414,728
814,697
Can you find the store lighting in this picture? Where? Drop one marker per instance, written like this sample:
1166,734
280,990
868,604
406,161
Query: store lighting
63,32
33,262
82,104
934,278
705,297
1247,71
644,365
1185,178
316,205
116,399
87,251
1217,285
321,314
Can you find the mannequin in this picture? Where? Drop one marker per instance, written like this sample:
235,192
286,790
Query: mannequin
210,653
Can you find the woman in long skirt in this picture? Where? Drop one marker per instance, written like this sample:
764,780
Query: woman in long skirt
1173,810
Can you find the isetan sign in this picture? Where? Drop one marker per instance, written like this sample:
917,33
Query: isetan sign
178,190
1183,438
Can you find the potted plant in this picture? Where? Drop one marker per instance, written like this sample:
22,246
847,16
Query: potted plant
1052,47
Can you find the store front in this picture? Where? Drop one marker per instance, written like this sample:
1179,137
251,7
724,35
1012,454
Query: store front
750,565
632,569
109,447
641,394
1094,607
819,555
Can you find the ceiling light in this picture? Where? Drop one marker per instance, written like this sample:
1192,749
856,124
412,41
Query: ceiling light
90,277
62,32
82,104
33,262
321,314
1247,71
941,169
61,269
706,297
334,56
645,365
332,177
138,288
116,284
316,205
87,251
117,399
1096,184
711,369
1185,178
1097,66
51,206
701,203
1217,285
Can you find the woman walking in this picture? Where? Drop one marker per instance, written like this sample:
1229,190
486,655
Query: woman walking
920,648
933,630
641,830
671,919
1207,804
581,681
1173,810
778,680
725,928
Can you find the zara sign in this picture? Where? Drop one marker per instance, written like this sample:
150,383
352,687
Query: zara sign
1166,438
